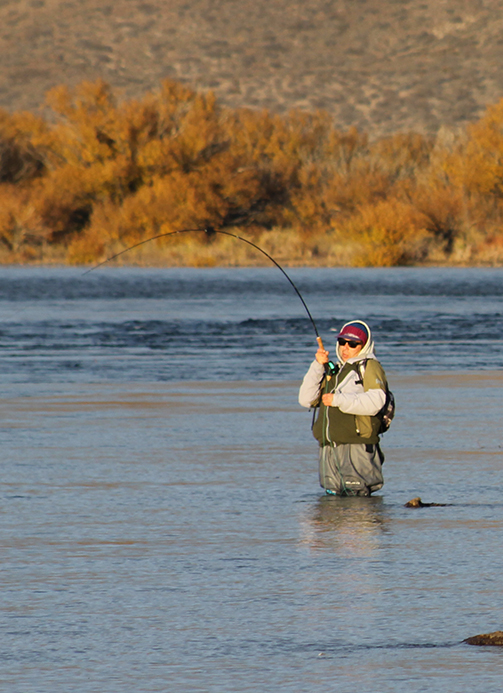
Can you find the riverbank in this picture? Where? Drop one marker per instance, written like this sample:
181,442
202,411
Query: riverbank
286,246
100,176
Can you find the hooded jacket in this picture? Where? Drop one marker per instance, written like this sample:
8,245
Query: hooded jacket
359,393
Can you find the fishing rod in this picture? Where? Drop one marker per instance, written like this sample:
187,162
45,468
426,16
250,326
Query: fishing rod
210,231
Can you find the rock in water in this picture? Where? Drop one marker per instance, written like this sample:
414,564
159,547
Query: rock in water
495,639
418,503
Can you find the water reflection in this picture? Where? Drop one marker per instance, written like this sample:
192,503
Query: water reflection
350,525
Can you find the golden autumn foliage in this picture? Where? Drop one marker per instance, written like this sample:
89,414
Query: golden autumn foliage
96,176
387,233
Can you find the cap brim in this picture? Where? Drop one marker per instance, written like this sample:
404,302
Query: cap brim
350,338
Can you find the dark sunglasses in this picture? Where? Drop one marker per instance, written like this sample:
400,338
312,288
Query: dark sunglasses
350,342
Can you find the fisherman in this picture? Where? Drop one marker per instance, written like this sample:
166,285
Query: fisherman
348,397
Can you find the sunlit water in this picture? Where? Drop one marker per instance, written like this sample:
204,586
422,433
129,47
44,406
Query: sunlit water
162,525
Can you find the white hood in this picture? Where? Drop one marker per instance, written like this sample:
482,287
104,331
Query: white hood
368,350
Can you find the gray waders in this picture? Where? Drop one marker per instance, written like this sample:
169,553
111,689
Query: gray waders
351,469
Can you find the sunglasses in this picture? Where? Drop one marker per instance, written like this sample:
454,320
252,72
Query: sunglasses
350,342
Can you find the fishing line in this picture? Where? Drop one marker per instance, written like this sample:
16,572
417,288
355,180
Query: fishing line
210,231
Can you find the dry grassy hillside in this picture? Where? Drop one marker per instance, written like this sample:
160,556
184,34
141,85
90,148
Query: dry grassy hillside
382,65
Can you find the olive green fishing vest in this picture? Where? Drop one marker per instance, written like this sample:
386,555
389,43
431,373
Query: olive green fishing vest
349,428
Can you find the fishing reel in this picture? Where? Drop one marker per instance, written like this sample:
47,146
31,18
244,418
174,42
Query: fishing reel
331,368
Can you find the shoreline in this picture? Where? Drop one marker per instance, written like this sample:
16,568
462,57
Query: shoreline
287,247
232,265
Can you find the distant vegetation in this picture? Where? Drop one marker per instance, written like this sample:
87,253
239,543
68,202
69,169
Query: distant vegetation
96,176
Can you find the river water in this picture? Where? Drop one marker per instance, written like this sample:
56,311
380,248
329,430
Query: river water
162,525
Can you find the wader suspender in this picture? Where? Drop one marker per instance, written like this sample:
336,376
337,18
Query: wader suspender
360,382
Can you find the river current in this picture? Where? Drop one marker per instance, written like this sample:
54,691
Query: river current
162,525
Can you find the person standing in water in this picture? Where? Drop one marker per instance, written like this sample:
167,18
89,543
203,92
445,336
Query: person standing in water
349,396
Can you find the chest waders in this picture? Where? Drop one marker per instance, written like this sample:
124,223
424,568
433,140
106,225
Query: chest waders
350,457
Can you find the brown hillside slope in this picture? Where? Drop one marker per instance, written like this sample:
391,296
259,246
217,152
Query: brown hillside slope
382,65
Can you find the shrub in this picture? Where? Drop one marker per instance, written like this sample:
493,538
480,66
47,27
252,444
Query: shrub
443,210
386,234
102,175
20,159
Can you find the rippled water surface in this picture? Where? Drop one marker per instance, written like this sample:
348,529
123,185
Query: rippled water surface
162,527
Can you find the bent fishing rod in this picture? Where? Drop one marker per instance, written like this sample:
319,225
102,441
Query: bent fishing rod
210,231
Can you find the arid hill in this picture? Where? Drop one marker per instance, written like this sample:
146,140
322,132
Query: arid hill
382,65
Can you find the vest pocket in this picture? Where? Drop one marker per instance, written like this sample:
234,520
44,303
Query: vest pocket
363,426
